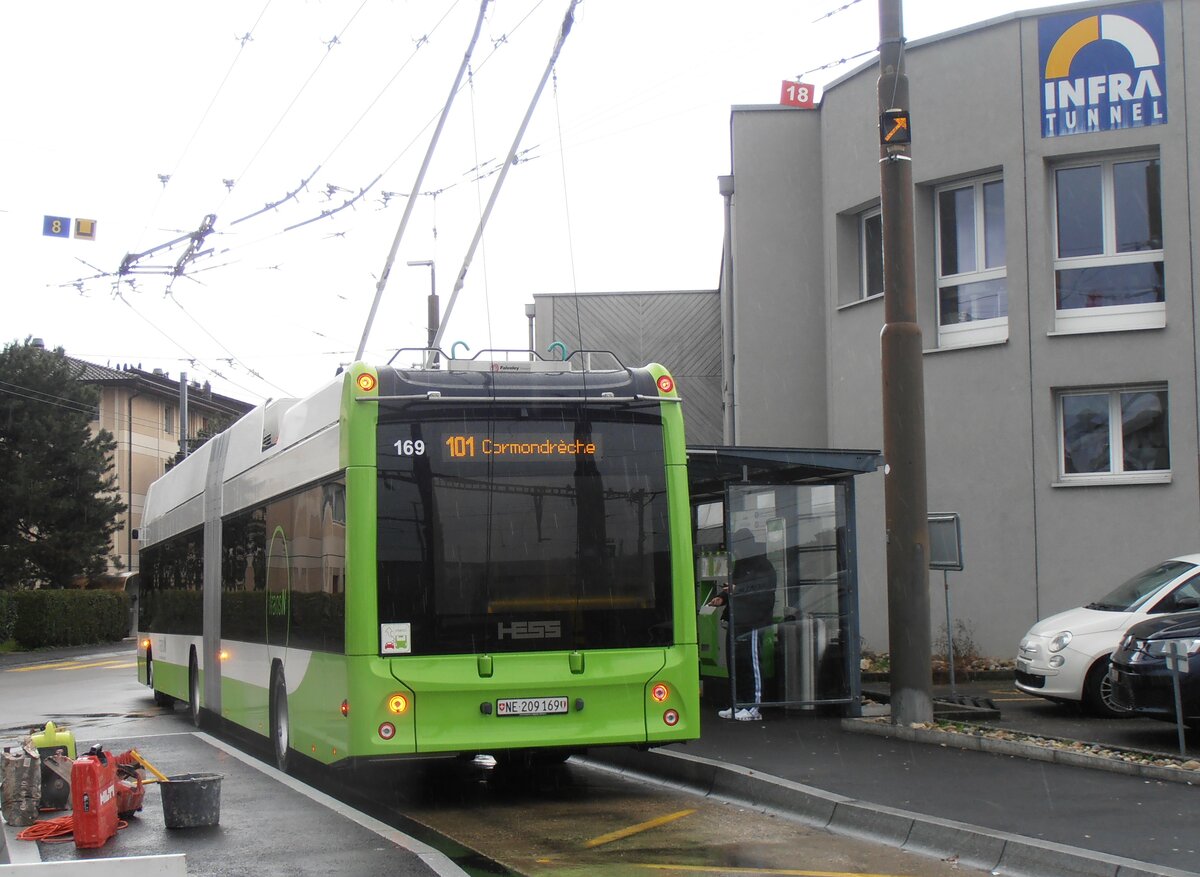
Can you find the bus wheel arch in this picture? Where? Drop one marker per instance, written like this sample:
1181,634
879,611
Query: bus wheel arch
280,721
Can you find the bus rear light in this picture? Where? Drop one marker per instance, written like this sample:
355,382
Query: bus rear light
366,382
223,655
146,644
345,707
666,385
387,731
671,718
398,704
660,692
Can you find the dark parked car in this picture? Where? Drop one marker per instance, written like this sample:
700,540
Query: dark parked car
1139,674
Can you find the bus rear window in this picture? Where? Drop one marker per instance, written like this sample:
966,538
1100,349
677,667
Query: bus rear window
524,533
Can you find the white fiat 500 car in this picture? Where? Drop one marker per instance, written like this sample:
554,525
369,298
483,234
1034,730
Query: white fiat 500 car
1065,657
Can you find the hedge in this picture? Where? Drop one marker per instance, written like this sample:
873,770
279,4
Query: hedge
67,617
8,616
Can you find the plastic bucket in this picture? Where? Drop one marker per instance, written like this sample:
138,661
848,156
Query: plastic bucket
191,800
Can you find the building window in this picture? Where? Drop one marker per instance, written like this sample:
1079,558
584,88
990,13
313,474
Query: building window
1108,435
169,419
870,251
971,259
1108,267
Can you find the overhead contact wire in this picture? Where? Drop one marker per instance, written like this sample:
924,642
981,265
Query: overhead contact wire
412,199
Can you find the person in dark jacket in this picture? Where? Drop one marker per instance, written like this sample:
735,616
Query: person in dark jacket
750,602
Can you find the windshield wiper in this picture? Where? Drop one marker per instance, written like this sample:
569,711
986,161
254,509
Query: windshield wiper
1106,607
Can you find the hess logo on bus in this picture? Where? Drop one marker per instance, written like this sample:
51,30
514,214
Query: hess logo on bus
530,630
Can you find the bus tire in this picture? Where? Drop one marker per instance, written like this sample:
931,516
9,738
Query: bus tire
160,697
280,724
193,689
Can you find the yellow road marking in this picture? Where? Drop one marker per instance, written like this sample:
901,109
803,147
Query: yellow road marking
788,872
72,665
636,829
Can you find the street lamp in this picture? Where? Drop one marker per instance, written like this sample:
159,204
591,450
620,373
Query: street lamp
435,311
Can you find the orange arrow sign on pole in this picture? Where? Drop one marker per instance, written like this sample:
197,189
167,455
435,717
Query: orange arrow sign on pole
901,125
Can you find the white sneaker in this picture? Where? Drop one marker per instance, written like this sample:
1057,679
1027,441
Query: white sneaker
726,714
748,715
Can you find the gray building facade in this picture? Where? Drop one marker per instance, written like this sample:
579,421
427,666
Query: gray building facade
1055,178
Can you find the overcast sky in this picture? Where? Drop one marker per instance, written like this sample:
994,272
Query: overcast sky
146,117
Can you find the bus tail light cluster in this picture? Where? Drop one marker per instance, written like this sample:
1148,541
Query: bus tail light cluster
660,692
397,705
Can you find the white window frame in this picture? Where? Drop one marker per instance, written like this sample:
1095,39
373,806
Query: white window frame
988,331
1116,444
169,418
1112,318
863,218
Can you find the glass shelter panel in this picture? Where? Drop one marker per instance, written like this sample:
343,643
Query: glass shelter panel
800,637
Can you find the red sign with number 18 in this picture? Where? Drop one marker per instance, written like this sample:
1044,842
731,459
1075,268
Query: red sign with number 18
798,94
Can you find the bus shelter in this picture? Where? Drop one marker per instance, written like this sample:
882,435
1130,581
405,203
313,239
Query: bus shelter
798,504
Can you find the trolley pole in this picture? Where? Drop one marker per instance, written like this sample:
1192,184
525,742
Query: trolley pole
905,499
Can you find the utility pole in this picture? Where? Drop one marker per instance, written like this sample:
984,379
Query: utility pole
183,415
905,499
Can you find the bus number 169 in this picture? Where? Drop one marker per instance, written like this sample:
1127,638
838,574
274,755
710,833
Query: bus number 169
410,448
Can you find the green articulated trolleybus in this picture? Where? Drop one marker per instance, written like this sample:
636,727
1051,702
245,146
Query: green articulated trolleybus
493,556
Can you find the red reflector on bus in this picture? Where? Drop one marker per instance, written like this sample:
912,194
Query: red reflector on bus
666,385
671,718
387,730
660,692
345,707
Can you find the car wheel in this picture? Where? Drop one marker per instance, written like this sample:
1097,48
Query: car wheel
280,724
1098,693
194,690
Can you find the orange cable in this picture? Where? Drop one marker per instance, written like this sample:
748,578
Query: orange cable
55,830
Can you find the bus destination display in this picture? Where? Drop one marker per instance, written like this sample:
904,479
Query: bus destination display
470,446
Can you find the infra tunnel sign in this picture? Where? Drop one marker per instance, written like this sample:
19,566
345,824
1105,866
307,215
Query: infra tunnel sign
1102,70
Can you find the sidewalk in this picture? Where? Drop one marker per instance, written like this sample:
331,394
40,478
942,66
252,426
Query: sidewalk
269,825
1005,814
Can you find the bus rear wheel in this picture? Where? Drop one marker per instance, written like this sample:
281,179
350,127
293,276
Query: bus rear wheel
280,724
194,690
160,697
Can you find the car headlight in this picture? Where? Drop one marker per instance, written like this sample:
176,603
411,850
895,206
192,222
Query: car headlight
1060,640
1163,646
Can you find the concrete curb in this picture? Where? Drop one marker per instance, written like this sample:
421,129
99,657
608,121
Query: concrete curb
1000,853
1032,751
